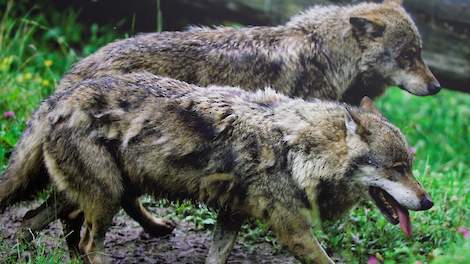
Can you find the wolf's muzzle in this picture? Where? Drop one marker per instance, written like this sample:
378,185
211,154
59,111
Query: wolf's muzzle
425,203
433,88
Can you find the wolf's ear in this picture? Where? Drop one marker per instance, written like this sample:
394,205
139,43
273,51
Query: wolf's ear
367,26
368,105
354,126
393,2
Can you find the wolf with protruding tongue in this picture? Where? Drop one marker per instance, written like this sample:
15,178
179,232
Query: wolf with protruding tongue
380,169
392,187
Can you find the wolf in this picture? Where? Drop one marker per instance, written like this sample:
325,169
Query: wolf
263,155
329,52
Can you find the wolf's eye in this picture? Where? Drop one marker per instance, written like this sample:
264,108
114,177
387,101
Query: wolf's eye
400,168
408,55
372,162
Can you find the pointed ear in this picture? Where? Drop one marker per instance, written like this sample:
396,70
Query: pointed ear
354,126
368,105
393,2
412,152
367,26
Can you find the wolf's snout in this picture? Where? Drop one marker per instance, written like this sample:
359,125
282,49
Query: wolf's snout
434,88
425,203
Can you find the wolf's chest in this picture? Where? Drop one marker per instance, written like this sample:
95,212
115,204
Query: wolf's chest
336,198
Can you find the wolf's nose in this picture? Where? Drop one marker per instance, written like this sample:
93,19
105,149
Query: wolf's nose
433,88
426,203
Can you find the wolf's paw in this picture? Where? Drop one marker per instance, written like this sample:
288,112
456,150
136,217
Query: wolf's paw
160,227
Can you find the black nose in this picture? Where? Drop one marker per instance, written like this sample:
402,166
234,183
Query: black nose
433,88
426,203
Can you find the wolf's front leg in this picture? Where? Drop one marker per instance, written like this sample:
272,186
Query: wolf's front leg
292,229
224,237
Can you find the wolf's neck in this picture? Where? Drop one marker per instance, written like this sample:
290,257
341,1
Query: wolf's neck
344,69
335,47
343,53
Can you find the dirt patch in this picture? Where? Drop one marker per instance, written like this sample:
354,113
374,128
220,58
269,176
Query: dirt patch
126,243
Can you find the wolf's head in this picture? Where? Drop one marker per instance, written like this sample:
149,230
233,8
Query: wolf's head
339,155
385,169
391,48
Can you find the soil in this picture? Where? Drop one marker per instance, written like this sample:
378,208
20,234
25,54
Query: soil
127,243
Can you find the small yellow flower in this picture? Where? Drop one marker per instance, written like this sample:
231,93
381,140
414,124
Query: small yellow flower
45,83
28,76
48,63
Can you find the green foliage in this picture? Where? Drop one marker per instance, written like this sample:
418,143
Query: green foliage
34,53
41,252
35,50
457,255
201,216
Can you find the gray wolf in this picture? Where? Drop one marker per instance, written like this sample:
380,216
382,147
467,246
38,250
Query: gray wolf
328,52
248,155
338,53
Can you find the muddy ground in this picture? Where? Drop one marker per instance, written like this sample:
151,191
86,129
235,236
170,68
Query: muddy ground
126,243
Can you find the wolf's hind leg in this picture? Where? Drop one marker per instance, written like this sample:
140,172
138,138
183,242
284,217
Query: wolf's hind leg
39,218
98,218
292,229
95,186
152,225
56,206
72,225
224,237
85,241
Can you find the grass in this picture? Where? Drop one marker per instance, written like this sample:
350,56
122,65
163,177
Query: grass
35,52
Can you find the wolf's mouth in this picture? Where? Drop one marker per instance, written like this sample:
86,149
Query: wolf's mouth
391,209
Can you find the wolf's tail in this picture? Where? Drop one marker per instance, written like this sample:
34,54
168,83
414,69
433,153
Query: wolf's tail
26,173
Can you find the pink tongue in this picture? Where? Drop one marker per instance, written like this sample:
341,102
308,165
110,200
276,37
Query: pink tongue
405,222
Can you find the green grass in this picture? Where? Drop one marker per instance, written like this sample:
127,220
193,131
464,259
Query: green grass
35,52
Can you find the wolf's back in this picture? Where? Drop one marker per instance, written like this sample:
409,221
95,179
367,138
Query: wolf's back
26,173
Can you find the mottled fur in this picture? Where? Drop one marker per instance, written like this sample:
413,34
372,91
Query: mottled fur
329,52
248,155
332,52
